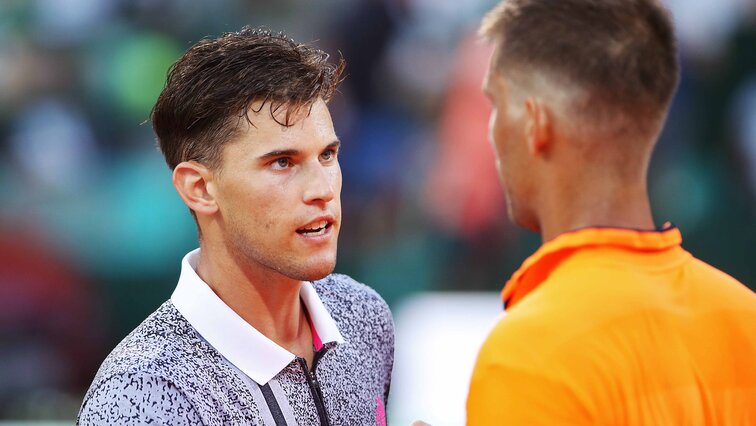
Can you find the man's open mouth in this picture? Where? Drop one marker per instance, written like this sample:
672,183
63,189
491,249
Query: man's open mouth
315,229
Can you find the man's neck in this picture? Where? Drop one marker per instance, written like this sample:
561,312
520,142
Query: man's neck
267,300
598,204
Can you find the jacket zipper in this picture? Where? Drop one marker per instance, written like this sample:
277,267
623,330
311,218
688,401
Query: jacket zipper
312,380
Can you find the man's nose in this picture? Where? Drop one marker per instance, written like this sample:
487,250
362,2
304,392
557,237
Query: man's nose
319,184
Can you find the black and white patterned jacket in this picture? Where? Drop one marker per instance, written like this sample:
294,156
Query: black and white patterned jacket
177,367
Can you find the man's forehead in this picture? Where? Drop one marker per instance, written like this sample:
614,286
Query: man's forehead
271,124
277,113
493,82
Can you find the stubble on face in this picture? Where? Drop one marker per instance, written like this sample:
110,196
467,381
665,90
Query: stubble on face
250,253
507,137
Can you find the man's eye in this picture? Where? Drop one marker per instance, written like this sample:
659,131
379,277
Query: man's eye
328,155
282,163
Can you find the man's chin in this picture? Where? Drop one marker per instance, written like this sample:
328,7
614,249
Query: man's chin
316,277
315,272
522,220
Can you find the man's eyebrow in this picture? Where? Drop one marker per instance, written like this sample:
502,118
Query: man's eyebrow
293,152
279,153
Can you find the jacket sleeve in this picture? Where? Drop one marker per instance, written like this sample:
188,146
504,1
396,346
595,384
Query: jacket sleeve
136,398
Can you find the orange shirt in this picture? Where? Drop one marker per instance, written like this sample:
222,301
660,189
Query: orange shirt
612,327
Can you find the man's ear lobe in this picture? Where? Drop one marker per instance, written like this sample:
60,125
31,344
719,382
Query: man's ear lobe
539,126
194,184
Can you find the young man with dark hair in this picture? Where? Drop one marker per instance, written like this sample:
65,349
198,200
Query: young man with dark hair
610,321
258,330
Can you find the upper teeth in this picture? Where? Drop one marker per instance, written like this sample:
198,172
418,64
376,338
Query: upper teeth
317,226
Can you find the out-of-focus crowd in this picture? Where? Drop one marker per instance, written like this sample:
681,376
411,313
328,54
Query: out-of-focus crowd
92,233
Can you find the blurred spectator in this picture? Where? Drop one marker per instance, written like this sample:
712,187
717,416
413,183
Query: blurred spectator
50,329
464,170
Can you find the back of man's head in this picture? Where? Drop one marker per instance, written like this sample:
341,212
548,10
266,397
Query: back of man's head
618,55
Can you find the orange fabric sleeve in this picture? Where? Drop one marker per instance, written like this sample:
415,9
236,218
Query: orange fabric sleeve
502,395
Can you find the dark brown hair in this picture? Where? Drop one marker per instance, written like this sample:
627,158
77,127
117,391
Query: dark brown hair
213,85
622,52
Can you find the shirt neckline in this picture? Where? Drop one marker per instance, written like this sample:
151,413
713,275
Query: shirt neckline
244,346
551,253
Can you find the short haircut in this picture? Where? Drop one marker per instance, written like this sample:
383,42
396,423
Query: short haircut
622,53
214,84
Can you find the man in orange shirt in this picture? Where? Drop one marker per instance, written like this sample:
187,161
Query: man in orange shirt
610,321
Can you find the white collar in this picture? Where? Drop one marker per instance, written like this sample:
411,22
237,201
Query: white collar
249,350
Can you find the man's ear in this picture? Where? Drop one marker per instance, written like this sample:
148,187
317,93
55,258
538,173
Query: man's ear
538,131
194,183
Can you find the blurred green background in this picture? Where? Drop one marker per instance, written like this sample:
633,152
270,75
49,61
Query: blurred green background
92,232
